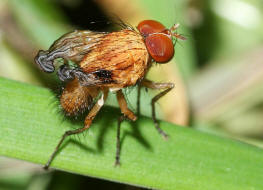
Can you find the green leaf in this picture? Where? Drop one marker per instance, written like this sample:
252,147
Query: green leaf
31,126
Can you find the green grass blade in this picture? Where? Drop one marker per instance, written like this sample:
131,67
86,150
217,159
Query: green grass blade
30,128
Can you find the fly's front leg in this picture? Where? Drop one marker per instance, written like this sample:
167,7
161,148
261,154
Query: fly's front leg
127,113
88,120
154,85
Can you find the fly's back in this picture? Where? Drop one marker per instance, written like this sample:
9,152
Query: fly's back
123,54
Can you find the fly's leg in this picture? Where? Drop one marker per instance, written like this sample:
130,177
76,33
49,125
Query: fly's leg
127,113
118,145
67,133
88,120
124,107
155,85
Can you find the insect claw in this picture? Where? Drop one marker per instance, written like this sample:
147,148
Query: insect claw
117,163
45,167
165,136
179,36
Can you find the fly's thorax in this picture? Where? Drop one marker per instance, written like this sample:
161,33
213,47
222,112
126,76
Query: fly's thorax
123,53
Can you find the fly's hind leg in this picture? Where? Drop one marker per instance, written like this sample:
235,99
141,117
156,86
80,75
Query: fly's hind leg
127,113
88,120
154,85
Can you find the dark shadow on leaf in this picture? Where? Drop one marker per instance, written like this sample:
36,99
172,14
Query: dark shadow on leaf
13,186
77,143
136,134
105,124
111,121
110,116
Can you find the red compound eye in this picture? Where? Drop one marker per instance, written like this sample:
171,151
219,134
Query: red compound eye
147,27
160,47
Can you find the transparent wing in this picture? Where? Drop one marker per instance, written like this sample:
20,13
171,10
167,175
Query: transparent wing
71,46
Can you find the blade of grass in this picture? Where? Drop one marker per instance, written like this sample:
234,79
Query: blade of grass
30,127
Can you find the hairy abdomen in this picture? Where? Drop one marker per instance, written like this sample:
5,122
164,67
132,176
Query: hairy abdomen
76,98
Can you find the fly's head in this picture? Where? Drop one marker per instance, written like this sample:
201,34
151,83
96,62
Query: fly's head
159,39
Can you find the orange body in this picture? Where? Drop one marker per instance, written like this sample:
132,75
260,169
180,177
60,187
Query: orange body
123,53
108,62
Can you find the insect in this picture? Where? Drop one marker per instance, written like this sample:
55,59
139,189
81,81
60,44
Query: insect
108,62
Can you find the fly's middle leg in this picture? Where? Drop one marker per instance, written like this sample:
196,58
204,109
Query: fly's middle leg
127,113
154,85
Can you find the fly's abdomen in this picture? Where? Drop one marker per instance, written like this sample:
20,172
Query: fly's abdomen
76,98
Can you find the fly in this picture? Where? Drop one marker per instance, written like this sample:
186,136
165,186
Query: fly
108,62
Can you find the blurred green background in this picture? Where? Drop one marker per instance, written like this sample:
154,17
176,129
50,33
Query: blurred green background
218,71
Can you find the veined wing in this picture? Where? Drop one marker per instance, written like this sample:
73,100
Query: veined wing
71,46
